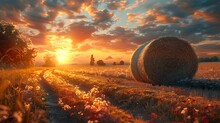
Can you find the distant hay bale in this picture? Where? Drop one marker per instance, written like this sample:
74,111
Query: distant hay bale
164,61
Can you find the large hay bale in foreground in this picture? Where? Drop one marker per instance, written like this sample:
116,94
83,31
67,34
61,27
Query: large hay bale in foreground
134,62
164,61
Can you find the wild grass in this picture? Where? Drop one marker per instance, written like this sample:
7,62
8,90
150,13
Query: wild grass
88,106
21,97
105,94
143,102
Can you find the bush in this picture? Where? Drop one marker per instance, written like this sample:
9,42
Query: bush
121,62
50,61
100,63
114,63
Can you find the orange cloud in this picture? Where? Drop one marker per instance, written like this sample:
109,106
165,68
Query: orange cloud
81,25
113,5
131,17
136,4
120,40
12,16
80,31
156,16
200,14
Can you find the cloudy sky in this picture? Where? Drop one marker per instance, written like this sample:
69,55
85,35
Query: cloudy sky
112,29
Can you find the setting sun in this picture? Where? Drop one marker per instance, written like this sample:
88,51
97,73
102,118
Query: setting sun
61,58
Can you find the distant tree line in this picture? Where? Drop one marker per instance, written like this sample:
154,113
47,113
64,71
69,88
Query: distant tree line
120,63
102,63
210,59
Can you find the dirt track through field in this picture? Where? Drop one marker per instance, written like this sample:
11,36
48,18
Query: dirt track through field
125,94
60,84
136,112
56,113
91,105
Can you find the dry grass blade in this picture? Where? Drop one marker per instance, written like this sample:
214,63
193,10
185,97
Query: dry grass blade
3,87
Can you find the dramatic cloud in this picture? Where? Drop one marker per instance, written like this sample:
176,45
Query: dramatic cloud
80,31
210,45
156,16
203,15
72,6
114,5
194,20
136,4
18,4
208,48
11,10
120,26
12,16
103,19
132,17
119,39
194,32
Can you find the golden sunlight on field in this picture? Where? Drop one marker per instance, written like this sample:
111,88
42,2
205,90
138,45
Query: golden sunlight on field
109,61
62,48
83,93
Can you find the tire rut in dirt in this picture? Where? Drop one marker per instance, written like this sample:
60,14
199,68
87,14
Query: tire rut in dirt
55,111
135,110
134,104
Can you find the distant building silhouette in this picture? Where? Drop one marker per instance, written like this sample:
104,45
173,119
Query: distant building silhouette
92,60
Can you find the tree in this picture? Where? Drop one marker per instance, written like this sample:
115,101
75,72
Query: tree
15,51
50,60
121,62
100,63
211,59
214,59
114,63
92,60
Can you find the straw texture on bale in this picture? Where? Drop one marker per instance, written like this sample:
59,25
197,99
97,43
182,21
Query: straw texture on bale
134,63
164,61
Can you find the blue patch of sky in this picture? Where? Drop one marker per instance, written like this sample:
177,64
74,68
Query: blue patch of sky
122,15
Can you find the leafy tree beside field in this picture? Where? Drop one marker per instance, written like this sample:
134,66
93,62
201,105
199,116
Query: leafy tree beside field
15,51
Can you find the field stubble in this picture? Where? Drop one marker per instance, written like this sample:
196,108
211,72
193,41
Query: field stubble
105,94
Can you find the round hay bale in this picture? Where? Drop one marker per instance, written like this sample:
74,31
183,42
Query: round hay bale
134,63
165,61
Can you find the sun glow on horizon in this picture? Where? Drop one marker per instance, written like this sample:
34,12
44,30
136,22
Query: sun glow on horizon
62,56
63,48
